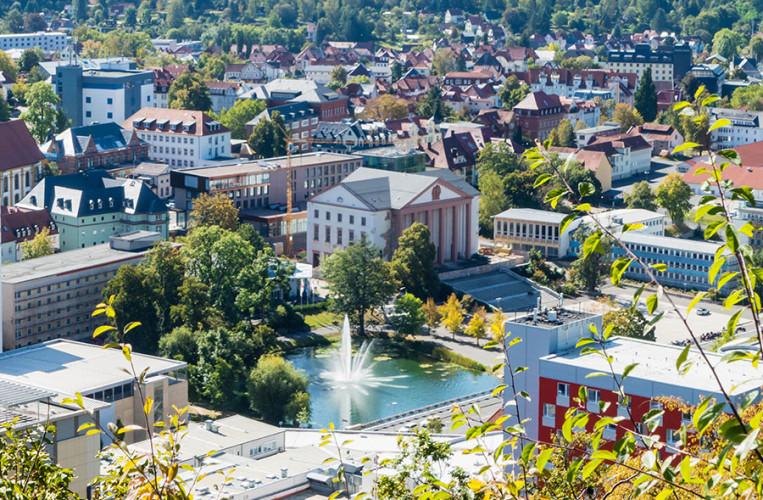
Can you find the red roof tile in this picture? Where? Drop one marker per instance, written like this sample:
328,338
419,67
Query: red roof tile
17,146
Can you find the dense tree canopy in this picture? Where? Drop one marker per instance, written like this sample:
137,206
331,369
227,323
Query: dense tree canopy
413,262
189,92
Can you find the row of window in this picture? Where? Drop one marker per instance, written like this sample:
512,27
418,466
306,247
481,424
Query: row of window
168,138
339,235
339,217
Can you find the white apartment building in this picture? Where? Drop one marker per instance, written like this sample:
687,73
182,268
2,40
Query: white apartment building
181,138
629,155
745,127
48,41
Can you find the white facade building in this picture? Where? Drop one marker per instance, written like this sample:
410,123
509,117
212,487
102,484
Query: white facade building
745,127
48,41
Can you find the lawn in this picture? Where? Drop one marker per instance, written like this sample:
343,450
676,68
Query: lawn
706,219
323,318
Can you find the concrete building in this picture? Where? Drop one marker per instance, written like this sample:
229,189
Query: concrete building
101,95
102,375
688,261
711,76
20,225
519,230
663,138
54,41
329,105
262,183
155,175
101,145
223,95
20,161
581,83
53,297
91,207
538,114
584,136
391,158
35,406
746,127
380,205
180,138
668,64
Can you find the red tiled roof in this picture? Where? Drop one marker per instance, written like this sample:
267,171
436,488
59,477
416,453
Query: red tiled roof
21,218
200,120
17,146
750,174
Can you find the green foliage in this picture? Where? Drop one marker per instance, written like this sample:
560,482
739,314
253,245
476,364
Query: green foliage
39,246
358,280
674,195
409,316
30,58
268,137
215,210
452,314
277,392
645,98
492,200
727,43
432,106
589,271
628,322
626,117
413,262
242,112
41,110
8,66
339,75
189,92
642,196
512,92
135,297
176,17
563,135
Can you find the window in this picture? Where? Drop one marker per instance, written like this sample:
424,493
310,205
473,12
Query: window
563,389
352,236
109,115
88,100
316,232
549,410
655,405
362,221
109,101
328,235
328,215
594,396
339,235
339,217
352,219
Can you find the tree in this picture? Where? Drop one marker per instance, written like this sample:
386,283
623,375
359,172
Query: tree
144,12
358,280
492,200
431,313
189,92
645,98
589,271
131,16
409,316
757,47
513,91
431,105
182,343
628,322
563,135
15,21
237,117
413,262
452,314
339,75
176,17
79,9
5,110
478,325
626,117
215,210
496,331
385,107
674,195
642,196
194,308
397,71
726,43
135,297
34,23
30,58
41,110
39,246
268,138
443,62
276,390
8,66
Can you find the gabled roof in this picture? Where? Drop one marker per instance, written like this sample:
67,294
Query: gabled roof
609,144
197,122
17,146
539,101
19,224
105,137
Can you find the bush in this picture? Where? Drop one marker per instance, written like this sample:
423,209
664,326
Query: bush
286,319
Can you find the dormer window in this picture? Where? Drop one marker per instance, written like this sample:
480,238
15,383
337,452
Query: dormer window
100,203
92,205
111,202
138,122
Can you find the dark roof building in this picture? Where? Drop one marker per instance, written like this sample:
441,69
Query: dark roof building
20,161
20,225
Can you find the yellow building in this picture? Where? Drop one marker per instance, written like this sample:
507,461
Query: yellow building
20,161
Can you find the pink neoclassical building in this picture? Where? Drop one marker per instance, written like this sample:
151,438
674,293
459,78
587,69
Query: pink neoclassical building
381,204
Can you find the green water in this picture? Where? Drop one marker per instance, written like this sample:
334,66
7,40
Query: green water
420,383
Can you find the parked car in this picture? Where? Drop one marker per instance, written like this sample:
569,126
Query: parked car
703,312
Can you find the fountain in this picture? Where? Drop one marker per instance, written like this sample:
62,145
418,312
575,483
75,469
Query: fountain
348,370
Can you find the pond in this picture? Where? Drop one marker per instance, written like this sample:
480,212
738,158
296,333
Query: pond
414,383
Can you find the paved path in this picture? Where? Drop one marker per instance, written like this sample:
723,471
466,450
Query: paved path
465,346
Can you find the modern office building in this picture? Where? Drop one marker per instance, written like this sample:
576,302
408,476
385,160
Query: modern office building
519,230
668,63
380,205
49,41
104,377
101,95
90,207
20,161
262,183
20,225
53,297
101,145
393,159
180,138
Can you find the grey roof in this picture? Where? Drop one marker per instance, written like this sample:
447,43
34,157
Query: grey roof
290,112
292,90
149,168
680,244
338,130
106,137
93,192
532,215
14,393
384,190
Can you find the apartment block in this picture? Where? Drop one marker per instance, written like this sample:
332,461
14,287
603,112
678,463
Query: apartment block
668,64
53,297
54,41
746,127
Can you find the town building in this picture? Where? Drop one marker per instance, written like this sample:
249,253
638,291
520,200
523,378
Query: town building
300,120
580,111
668,63
32,406
519,230
223,95
329,105
581,83
688,261
663,138
20,225
746,127
179,137
48,41
466,78
90,207
557,371
20,161
538,114
53,296
595,161
101,95
155,175
163,78
104,377
584,136
379,205
711,76
101,145
629,155
456,152
393,159
262,183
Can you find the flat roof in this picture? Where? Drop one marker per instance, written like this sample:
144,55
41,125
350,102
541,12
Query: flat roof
532,215
563,316
657,363
639,238
65,262
70,366
239,167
